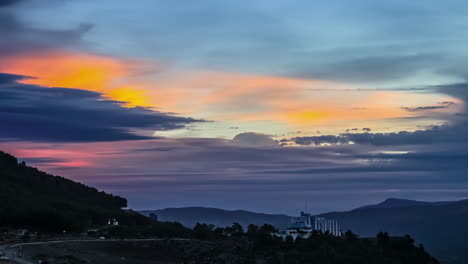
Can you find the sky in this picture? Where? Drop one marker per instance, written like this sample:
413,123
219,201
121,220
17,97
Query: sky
269,106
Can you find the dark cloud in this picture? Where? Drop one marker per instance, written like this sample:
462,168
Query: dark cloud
254,139
368,69
442,105
318,140
20,37
4,3
42,160
459,90
439,134
29,112
6,78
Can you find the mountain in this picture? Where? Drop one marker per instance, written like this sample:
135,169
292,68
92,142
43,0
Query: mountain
190,216
33,199
399,203
441,226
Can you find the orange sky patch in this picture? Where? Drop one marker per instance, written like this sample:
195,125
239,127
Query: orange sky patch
65,157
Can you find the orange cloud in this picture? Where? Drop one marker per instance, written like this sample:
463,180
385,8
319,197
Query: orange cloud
74,70
79,70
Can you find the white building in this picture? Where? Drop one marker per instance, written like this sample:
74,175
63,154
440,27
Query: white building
326,225
305,224
112,222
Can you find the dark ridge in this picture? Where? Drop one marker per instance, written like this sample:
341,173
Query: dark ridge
399,203
34,199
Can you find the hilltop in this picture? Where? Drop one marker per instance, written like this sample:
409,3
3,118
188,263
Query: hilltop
400,203
34,199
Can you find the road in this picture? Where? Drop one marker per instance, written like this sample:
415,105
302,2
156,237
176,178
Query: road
10,251
12,256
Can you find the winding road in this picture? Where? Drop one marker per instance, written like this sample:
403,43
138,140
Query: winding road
11,251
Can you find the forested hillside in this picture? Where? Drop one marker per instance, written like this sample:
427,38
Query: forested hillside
35,199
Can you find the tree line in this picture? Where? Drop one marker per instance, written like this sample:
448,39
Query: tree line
259,244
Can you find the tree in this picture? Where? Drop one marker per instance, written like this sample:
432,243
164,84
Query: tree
237,229
350,236
268,228
202,231
252,229
383,239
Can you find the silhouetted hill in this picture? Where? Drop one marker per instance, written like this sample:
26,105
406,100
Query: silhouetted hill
398,203
34,199
189,216
441,226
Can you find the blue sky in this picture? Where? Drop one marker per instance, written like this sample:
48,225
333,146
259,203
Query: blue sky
265,104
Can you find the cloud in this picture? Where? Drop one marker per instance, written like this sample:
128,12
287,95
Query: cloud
442,105
368,69
19,37
459,90
254,140
4,3
452,132
438,134
6,78
30,112
41,161
319,140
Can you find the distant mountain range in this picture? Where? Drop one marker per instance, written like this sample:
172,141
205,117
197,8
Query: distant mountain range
400,203
442,227
190,216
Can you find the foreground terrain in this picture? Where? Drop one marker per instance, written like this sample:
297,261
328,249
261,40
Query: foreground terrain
164,251
252,248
